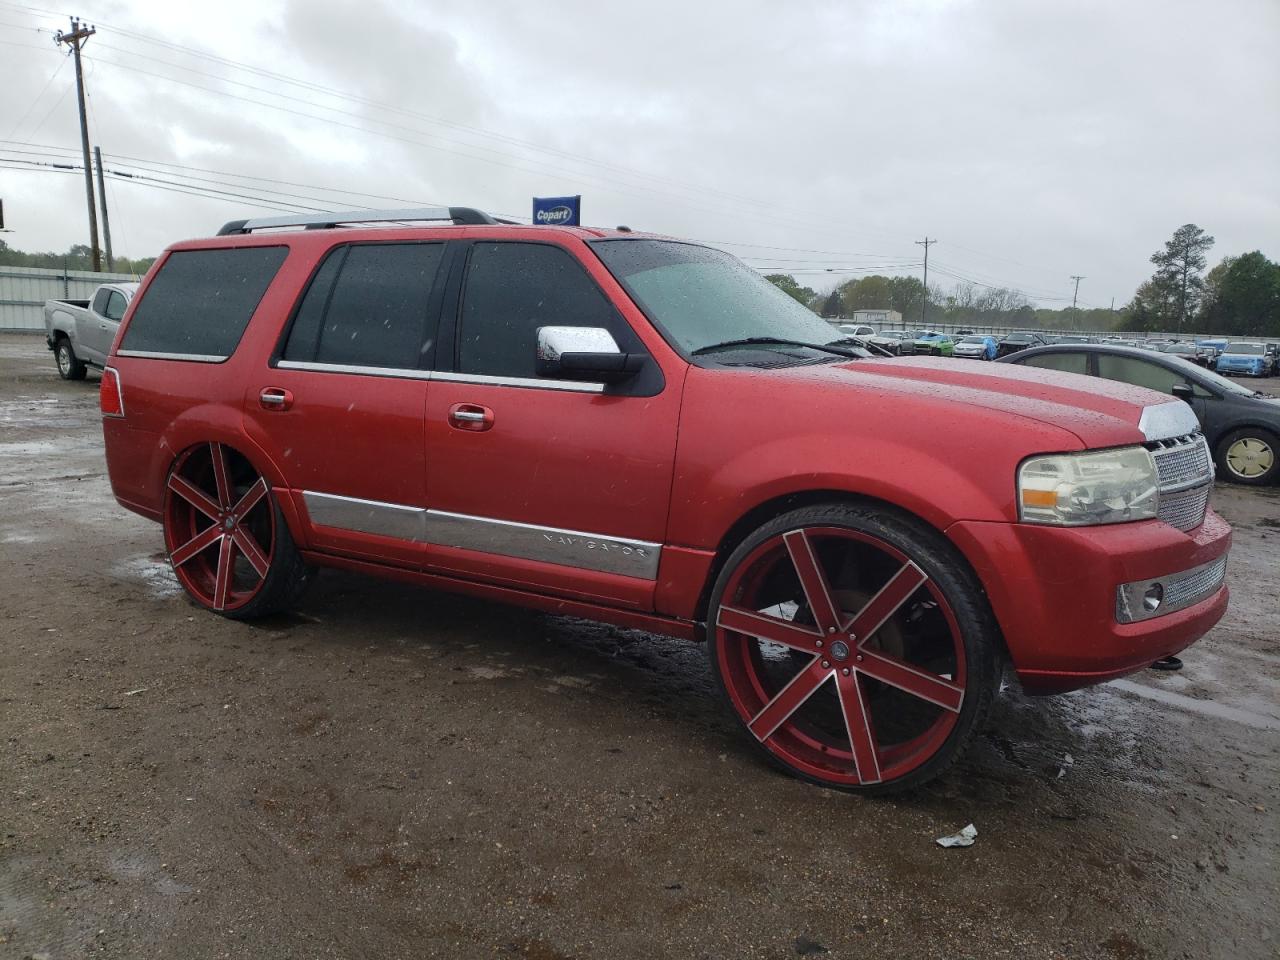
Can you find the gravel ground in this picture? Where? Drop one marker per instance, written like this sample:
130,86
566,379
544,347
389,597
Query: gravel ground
391,773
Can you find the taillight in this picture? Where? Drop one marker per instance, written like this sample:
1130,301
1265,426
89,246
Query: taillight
110,399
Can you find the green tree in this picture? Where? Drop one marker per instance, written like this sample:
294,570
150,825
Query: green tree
788,285
1242,297
833,306
1178,268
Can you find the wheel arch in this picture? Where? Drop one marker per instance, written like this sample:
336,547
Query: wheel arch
775,506
215,423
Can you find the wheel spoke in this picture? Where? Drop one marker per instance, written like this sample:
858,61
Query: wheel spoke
221,476
789,699
762,627
201,541
252,552
857,723
910,679
189,492
250,499
826,612
886,603
222,584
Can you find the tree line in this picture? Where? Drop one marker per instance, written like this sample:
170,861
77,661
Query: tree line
1239,297
79,257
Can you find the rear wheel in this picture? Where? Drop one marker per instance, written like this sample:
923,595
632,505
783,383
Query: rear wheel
854,646
1248,455
70,367
227,541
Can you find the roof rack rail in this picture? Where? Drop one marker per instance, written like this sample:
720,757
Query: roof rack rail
327,221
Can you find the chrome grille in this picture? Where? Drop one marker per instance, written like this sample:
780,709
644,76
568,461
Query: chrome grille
1185,471
1182,461
1144,599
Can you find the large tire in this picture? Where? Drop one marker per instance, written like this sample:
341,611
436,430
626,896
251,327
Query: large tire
855,647
227,540
70,367
1248,455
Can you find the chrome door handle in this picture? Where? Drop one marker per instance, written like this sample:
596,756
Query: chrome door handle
275,398
470,416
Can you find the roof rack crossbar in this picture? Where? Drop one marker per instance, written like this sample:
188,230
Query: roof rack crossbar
327,221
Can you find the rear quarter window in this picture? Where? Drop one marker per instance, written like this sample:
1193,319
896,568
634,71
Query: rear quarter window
200,302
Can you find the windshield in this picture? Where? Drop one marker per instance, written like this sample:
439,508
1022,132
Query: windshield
1257,349
702,297
974,340
1179,348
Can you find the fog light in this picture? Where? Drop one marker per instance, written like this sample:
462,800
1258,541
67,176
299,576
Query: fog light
1152,599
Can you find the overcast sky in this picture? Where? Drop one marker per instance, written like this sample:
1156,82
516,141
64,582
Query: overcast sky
1034,140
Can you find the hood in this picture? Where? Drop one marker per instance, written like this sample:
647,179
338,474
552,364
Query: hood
1101,413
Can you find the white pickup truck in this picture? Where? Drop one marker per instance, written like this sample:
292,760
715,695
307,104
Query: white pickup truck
80,332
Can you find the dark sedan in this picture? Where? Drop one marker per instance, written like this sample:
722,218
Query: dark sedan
1242,426
1016,342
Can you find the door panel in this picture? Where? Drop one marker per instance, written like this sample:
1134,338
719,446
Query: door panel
567,486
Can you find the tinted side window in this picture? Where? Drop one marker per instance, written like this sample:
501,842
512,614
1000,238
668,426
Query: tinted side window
99,305
514,288
1139,372
201,301
1067,362
367,306
115,306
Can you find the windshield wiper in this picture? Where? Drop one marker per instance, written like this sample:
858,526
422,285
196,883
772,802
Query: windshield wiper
780,342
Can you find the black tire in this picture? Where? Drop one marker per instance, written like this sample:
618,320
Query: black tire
946,568
1256,444
286,582
70,367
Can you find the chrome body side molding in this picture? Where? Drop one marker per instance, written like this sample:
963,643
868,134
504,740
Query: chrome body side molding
507,538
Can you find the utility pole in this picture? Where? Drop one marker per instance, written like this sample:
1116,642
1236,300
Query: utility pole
924,304
75,40
102,199
1075,314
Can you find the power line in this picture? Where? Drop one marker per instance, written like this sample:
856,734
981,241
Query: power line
62,62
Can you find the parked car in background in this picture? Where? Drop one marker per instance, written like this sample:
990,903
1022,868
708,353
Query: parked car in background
934,343
1018,341
1188,351
1273,351
1245,357
976,347
1213,347
905,338
855,329
857,576
1242,426
80,332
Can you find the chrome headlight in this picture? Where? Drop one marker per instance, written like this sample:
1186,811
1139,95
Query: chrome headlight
1080,489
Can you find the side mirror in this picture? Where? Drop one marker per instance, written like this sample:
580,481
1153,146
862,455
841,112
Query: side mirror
584,353
1184,391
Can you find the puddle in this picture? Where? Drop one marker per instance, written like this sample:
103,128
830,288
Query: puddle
154,573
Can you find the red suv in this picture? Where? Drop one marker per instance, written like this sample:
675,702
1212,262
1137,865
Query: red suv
643,431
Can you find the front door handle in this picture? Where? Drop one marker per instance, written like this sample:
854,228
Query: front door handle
275,398
470,416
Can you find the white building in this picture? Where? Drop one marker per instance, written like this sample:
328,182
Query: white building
880,319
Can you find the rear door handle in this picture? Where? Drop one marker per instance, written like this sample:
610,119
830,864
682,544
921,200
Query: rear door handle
470,416
275,398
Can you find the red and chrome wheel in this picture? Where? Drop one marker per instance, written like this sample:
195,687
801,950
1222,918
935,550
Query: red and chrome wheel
854,646
228,545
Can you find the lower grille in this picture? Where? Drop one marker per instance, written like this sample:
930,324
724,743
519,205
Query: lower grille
1185,509
1144,599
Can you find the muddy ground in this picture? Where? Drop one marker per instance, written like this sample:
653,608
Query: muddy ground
398,773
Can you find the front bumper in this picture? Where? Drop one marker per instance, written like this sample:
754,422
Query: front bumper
1053,591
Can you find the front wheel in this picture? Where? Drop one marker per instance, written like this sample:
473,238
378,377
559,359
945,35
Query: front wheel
70,367
1248,455
227,541
854,646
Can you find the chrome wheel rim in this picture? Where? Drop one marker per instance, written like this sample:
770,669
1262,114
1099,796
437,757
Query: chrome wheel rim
64,359
1250,458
